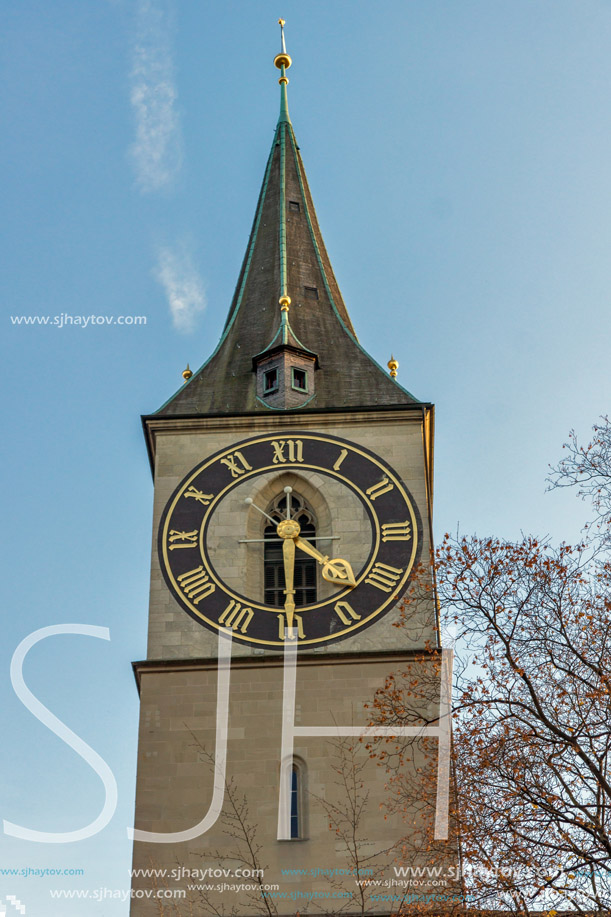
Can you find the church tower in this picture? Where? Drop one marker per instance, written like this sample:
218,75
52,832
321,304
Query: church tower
293,498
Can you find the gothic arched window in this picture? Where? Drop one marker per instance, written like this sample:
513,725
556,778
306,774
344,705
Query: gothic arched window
305,566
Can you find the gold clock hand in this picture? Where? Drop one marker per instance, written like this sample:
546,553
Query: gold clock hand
336,570
309,549
288,530
288,555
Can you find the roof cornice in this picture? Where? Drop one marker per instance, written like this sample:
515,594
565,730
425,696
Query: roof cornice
252,420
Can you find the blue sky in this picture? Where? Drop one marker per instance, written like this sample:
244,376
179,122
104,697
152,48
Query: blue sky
459,157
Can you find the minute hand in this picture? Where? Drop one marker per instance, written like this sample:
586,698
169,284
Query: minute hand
334,571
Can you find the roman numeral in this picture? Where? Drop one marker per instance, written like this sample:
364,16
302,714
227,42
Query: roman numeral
383,577
345,612
382,487
396,531
196,583
234,461
188,539
198,495
233,616
341,458
297,620
294,448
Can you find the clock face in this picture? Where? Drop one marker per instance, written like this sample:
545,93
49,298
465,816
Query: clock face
389,537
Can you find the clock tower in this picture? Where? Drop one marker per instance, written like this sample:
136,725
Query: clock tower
293,499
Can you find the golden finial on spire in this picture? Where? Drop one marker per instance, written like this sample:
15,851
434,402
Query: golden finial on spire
285,302
282,61
187,373
393,366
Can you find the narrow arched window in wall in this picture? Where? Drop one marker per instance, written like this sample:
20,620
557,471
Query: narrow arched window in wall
298,800
295,802
305,566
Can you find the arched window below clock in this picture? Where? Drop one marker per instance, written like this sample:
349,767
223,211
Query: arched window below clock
273,564
297,799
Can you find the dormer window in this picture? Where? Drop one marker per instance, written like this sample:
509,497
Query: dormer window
294,206
300,380
311,292
270,381
286,377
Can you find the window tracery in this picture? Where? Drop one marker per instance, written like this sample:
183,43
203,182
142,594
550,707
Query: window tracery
273,564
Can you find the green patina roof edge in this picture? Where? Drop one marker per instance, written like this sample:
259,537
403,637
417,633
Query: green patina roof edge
284,100
285,329
282,207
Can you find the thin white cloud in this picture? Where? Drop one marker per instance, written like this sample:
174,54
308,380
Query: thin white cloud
157,150
183,287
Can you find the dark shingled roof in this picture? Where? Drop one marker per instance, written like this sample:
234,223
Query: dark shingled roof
286,232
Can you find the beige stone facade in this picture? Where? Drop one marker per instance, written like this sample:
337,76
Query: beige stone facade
178,684
174,787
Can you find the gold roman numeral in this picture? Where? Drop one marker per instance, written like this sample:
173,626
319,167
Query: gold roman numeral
233,616
384,577
188,539
294,448
198,495
382,487
282,629
396,531
237,464
341,458
196,584
345,612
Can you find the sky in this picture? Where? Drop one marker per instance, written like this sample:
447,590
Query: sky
459,158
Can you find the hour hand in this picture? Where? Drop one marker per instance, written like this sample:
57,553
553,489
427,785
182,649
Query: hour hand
288,556
333,571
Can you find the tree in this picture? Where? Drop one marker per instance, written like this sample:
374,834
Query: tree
346,811
588,468
532,736
245,852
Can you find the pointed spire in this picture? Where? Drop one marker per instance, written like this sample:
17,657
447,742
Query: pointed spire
282,61
265,360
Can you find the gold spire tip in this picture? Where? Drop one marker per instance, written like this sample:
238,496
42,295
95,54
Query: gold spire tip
393,366
187,373
282,60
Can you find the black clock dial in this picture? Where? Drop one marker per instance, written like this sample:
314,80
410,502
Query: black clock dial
188,563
